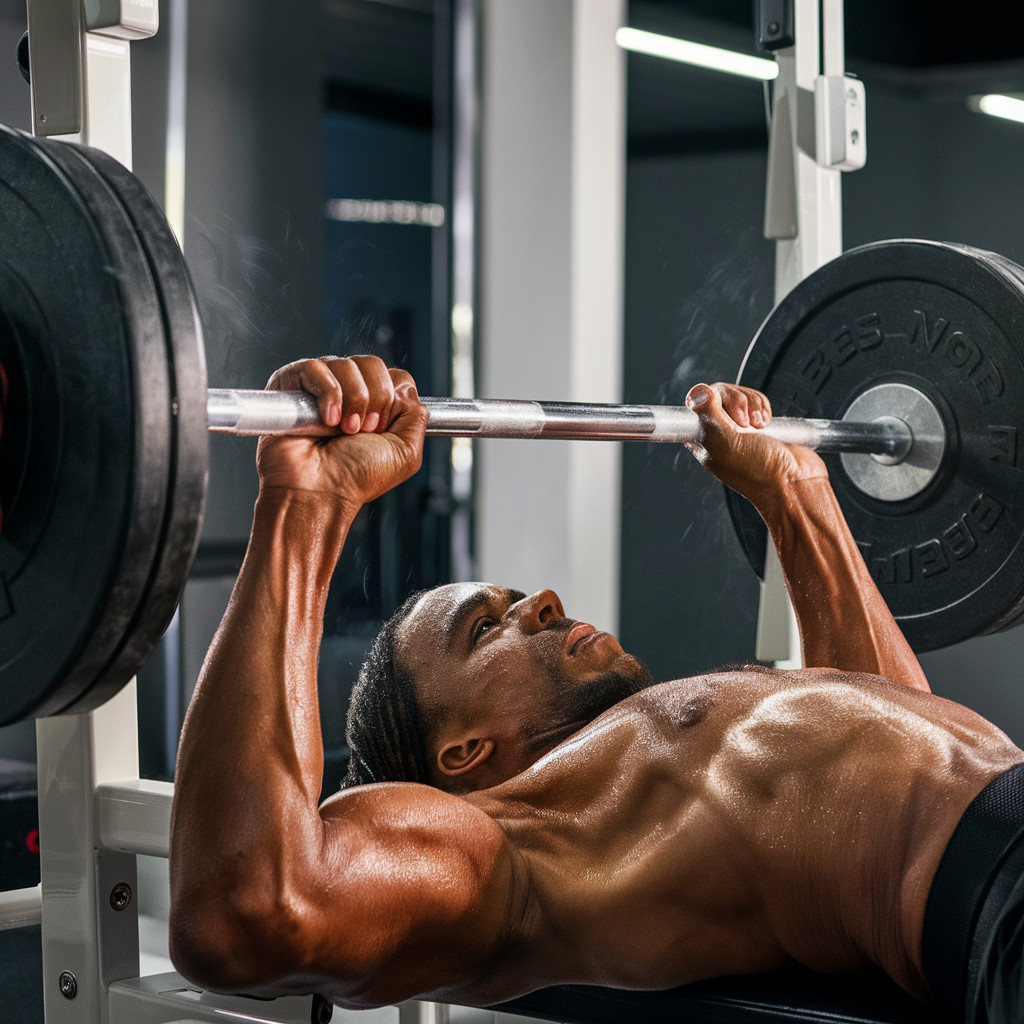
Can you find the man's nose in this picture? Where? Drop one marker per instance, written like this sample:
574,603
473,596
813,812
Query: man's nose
537,610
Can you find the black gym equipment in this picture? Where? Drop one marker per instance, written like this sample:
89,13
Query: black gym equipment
102,463
947,321
78,472
103,458
794,996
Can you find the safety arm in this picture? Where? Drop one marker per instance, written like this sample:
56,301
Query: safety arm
843,620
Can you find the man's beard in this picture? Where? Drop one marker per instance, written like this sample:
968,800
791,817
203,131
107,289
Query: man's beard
571,706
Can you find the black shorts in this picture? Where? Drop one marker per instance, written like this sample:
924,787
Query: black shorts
973,946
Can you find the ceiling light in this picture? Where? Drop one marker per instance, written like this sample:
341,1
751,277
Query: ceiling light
1001,106
699,54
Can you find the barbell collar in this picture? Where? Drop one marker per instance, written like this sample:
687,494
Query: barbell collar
251,413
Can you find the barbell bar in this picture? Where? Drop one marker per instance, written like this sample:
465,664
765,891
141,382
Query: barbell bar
247,413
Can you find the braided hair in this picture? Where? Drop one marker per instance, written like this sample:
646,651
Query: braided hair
385,729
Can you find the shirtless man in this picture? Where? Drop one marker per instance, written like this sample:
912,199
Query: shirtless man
724,824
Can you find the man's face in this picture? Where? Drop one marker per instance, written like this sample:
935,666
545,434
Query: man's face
482,654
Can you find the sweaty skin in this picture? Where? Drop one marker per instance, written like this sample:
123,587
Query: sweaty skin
722,824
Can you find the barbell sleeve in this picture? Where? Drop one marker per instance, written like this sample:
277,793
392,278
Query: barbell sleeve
250,413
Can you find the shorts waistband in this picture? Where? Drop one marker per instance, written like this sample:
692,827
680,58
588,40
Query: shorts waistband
988,830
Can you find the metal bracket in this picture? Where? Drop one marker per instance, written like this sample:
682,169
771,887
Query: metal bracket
839,123
123,19
780,205
77,78
170,999
774,24
55,57
840,128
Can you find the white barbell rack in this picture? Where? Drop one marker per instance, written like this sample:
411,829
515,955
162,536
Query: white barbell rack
809,145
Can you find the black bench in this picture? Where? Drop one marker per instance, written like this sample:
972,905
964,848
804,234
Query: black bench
782,996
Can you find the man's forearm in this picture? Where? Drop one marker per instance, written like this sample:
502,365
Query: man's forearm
844,622
251,756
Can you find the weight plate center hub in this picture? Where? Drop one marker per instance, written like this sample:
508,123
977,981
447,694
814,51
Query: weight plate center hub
904,474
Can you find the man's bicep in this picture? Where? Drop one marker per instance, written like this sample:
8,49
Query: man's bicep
419,892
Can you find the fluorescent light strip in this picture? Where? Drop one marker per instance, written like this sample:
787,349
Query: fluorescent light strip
385,211
1002,106
712,57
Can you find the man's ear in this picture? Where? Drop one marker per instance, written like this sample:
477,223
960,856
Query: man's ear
464,755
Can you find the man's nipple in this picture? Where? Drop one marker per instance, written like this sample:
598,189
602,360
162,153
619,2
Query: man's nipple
694,711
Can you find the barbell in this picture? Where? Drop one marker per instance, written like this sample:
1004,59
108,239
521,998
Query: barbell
902,357
257,413
904,430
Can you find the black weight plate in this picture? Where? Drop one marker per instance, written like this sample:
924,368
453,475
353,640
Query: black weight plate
131,583
69,442
949,320
185,361
101,660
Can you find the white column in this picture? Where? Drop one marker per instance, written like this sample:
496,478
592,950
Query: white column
90,934
804,214
551,230
87,941
818,236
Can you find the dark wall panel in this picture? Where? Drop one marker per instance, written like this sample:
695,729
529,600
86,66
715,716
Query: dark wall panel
698,283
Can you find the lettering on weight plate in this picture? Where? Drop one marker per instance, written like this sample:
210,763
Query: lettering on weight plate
869,332
928,334
849,340
930,558
816,370
958,539
985,512
936,555
893,568
938,336
1002,443
790,407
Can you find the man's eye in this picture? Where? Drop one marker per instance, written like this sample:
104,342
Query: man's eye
482,626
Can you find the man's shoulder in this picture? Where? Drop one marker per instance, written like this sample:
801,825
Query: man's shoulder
402,809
